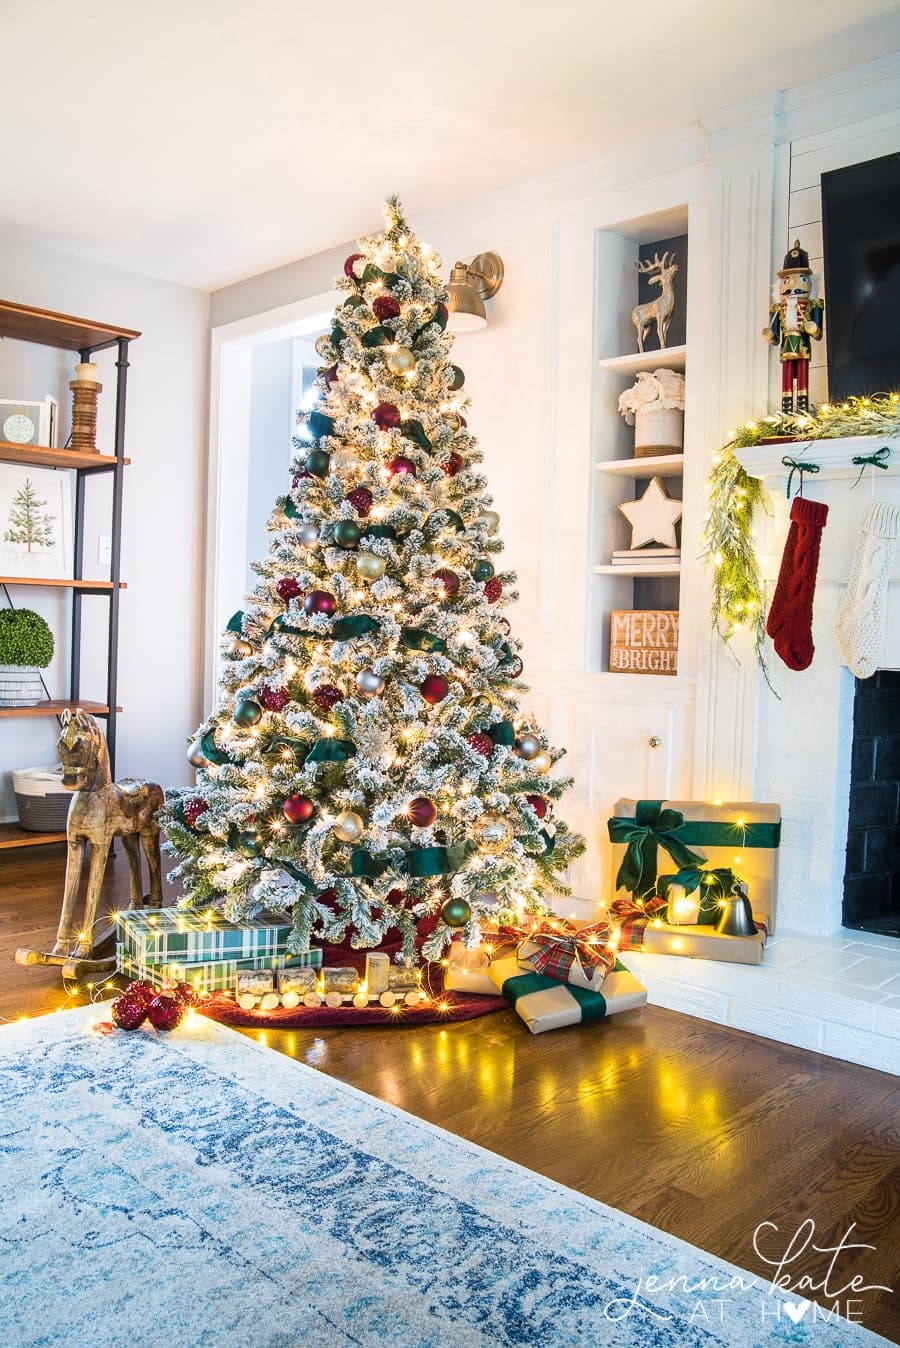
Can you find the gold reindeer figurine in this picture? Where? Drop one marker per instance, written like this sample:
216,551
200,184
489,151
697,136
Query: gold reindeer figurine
658,311
100,811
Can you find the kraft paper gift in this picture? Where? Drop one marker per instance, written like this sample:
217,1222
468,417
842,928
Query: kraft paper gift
637,929
546,1004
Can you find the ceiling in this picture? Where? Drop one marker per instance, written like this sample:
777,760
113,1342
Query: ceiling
206,140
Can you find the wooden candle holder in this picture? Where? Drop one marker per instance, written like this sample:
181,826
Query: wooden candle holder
84,414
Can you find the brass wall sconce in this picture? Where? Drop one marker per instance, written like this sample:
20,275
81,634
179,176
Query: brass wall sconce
471,283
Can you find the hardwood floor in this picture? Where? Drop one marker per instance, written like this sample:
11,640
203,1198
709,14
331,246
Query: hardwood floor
701,1130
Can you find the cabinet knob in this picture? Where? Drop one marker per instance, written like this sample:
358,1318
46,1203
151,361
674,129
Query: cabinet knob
654,741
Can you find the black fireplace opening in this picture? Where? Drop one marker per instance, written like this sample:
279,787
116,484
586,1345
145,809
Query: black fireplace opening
872,875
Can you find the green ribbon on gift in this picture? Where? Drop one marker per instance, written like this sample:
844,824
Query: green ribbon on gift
592,1004
415,431
319,424
713,884
211,750
651,828
420,639
299,748
330,750
502,732
358,625
236,622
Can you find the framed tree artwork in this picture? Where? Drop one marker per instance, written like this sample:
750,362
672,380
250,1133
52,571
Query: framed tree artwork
35,522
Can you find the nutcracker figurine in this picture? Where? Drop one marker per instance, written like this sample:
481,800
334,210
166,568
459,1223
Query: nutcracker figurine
796,315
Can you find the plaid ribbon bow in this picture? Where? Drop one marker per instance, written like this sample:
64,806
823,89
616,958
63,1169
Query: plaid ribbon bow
634,918
560,947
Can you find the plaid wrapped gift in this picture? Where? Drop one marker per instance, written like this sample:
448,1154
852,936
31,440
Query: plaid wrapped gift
161,935
208,975
639,927
570,953
545,1004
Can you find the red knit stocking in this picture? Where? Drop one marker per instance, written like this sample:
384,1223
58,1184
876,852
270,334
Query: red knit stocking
789,623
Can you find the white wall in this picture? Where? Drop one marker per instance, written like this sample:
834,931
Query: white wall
271,426
161,619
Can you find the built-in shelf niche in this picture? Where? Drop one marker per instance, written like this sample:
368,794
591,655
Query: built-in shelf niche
618,476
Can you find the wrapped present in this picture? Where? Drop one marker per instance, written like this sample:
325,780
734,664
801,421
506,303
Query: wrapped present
546,1004
699,847
639,926
457,978
209,975
163,935
570,952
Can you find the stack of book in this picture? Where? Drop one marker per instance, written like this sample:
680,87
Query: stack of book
645,556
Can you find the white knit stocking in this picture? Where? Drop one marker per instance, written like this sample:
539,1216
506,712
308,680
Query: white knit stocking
861,621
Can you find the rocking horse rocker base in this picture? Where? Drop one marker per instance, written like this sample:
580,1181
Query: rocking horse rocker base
100,811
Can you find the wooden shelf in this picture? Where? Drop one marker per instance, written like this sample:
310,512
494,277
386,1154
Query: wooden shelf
47,328
53,707
659,569
654,465
41,456
672,358
14,835
95,586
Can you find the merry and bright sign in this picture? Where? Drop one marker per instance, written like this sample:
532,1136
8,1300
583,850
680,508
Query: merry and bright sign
643,641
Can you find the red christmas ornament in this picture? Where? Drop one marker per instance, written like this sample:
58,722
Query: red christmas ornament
452,465
422,811
331,374
298,809
274,698
142,990
319,601
386,416
165,1013
288,588
449,579
326,696
462,421
348,265
481,743
538,804
128,1012
298,477
434,688
493,589
191,812
400,464
185,994
515,667
385,307
443,313
361,500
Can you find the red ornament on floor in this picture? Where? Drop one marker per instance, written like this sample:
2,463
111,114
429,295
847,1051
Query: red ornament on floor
128,1012
287,588
165,1013
361,500
481,743
274,698
191,812
539,805
493,589
327,696
386,416
385,307
298,809
453,464
434,688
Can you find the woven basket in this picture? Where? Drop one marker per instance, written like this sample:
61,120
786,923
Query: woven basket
41,799
20,685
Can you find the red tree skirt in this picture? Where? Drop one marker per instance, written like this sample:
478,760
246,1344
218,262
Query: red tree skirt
441,1008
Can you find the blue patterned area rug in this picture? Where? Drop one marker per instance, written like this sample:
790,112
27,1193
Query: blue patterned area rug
199,1189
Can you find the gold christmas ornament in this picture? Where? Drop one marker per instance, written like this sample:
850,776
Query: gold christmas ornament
238,649
323,346
528,746
490,520
400,361
542,762
349,826
493,833
370,566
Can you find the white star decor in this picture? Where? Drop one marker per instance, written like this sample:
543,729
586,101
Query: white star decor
653,517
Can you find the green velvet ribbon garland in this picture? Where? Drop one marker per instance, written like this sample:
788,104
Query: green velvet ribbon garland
451,520
236,622
420,639
290,509
294,871
419,863
319,424
415,431
331,750
337,335
366,867
377,337
357,625
211,750
382,531
299,748
502,732
653,827
282,625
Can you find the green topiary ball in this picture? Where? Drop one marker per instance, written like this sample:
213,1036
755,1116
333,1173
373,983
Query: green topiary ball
25,638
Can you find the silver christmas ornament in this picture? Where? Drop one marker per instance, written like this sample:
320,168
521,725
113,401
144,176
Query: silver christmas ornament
528,746
493,833
370,567
238,649
308,535
195,755
369,683
349,826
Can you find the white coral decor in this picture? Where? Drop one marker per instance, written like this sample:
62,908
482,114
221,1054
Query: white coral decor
657,390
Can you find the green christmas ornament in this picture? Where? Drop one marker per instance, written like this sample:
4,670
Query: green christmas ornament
347,533
318,461
250,843
247,712
457,378
483,569
456,912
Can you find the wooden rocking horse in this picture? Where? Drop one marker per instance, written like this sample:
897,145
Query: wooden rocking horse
100,811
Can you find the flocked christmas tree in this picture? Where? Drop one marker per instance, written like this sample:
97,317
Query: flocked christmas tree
368,764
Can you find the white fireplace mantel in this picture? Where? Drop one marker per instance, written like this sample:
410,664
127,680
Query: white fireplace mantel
834,457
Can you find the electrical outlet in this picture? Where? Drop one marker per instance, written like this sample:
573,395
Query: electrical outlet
104,549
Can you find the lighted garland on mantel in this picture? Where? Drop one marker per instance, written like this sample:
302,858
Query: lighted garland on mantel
729,544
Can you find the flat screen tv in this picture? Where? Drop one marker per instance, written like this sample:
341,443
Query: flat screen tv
861,225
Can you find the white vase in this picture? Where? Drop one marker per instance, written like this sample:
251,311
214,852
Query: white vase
20,686
658,430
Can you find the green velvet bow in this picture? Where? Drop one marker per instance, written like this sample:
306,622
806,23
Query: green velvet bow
211,750
330,750
651,828
319,424
236,622
420,639
357,625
